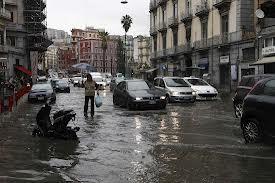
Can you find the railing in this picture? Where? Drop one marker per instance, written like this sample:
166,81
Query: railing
202,9
186,16
161,53
172,21
14,26
201,43
5,13
162,26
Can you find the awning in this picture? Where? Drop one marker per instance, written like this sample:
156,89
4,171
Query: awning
151,70
265,60
24,70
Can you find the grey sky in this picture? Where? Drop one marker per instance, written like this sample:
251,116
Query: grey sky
68,14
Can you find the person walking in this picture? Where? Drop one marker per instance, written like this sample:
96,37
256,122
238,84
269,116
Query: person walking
90,87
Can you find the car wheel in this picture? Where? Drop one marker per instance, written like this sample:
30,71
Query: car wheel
252,131
238,110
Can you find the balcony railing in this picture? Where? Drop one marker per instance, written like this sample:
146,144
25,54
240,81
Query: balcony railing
173,21
201,44
186,17
14,26
6,14
162,27
202,10
153,30
220,4
153,5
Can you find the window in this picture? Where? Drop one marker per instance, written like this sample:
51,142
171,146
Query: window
269,88
161,83
164,40
156,82
224,23
155,44
175,38
164,14
204,29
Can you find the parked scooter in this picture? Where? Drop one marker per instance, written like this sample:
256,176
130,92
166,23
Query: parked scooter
58,129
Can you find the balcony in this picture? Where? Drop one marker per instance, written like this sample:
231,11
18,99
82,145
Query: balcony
201,44
153,5
162,2
267,22
15,27
153,31
162,27
202,11
186,17
222,5
5,14
173,22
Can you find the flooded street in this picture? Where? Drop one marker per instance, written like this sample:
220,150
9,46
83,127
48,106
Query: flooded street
199,142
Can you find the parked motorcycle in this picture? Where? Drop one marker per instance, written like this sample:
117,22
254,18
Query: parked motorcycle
59,129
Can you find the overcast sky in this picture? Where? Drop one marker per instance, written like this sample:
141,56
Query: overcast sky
68,14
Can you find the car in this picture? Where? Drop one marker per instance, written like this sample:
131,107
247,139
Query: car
53,82
77,81
62,86
100,81
138,94
175,89
42,79
243,88
204,91
114,82
42,92
257,120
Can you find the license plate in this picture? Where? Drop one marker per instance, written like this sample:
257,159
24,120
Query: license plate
40,98
152,102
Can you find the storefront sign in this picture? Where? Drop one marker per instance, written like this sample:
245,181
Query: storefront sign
268,51
224,59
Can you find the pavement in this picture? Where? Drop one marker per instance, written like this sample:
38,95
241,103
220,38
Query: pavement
199,142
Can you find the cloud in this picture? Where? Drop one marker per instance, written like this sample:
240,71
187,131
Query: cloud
68,14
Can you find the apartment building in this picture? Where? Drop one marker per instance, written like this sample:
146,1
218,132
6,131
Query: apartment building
214,38
142,47
265,29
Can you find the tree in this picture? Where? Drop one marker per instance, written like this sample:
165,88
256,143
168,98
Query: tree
126,22
120,57
104,36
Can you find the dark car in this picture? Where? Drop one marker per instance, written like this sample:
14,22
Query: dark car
42,92
62,86
258,111
53,82
138,94
245,85
114,82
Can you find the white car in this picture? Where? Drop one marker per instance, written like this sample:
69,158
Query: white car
204,91
100,81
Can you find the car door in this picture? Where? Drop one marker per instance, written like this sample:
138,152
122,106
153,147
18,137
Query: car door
162,85
268,105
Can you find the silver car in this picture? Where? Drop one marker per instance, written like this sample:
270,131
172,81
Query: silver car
176,89
42,92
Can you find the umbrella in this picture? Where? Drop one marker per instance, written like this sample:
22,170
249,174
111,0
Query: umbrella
83,66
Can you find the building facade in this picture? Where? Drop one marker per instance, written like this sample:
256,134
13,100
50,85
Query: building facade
265,29
142,47
205,38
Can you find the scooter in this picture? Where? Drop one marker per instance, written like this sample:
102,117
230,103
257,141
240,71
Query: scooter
59,129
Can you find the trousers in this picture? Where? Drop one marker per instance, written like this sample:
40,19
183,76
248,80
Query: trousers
87,98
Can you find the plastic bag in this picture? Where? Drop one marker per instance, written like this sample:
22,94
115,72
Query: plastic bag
98,101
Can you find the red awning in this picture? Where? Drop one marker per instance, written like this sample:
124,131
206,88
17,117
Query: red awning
24,70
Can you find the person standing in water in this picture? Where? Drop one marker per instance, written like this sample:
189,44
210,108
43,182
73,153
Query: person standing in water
90,88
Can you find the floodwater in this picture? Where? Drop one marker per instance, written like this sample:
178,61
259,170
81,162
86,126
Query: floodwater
199,142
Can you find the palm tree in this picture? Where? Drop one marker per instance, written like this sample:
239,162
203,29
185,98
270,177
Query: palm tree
104,36
126,22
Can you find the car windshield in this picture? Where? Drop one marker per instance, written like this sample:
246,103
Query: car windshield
98,79
138,85
42,87
197,82
62,82
175,82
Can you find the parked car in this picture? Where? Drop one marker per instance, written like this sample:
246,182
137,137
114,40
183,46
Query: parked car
175,89
245,85
42,79
135,94
53,82
257,119
62,86
42,92
204,91
77,81
114,82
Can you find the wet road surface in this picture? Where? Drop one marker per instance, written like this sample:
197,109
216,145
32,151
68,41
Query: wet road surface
199,142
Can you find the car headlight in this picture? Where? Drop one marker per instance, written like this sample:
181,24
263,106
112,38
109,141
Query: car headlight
57,86
138,98
162,97
194,93
215,91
